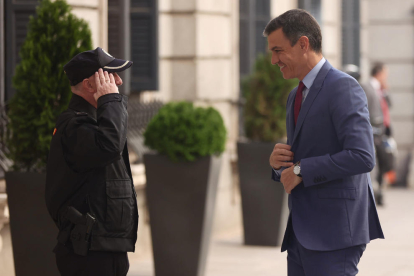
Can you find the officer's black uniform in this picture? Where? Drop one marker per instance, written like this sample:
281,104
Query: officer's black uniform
88,172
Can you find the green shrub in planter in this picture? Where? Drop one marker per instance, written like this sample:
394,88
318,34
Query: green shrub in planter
42,89
184,132
266,93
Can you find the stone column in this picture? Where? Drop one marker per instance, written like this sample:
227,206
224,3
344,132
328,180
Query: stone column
364,35
331,31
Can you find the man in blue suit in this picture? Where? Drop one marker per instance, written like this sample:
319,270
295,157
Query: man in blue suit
329,153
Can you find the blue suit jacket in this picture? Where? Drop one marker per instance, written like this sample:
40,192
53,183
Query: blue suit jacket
333,208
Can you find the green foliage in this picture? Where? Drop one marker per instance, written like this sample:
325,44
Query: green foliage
266,93
184,132
42,88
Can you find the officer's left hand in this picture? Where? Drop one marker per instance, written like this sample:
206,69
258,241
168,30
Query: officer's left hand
289,179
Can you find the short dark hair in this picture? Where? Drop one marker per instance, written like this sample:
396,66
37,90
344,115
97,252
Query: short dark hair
377,68
295,24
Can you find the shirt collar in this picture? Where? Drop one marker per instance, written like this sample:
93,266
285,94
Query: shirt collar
311,76
77,103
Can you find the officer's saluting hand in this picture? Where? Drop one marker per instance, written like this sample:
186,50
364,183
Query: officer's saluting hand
105,83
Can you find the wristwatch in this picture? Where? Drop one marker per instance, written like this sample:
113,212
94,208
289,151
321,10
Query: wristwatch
296,169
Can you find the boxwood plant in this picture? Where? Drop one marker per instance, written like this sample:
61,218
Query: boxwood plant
184,132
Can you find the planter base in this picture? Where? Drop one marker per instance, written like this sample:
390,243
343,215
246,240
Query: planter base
33,231
264,201
181,198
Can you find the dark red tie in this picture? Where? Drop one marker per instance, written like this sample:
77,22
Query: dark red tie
298,100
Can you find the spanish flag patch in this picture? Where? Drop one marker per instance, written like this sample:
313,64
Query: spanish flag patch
54,131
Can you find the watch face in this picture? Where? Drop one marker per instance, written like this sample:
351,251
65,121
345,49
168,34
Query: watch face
296,170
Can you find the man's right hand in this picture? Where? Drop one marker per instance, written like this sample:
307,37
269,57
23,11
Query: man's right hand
281,156
105,84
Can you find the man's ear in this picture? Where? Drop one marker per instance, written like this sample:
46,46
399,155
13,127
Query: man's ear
304,43
87,85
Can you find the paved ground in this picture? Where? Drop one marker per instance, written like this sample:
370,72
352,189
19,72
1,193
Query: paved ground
392,256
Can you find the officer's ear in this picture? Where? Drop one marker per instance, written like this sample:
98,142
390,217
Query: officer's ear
87,85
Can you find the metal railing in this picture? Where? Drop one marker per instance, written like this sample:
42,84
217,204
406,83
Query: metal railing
139,115
5,163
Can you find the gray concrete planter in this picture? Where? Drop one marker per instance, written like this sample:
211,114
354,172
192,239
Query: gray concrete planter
181,198
264,203
33,232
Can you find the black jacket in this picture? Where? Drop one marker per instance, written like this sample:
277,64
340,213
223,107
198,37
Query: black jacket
88,168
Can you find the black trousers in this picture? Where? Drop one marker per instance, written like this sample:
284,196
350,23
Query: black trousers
97,263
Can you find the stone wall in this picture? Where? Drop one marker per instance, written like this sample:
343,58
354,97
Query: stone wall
95,12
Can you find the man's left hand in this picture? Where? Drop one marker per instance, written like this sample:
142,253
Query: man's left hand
289,179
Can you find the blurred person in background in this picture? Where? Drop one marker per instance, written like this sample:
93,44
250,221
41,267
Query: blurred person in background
325,165
378,105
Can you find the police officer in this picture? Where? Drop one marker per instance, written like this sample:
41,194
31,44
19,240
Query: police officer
89,189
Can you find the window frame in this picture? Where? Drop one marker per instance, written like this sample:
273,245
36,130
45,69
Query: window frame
127,12
251,18
13,7
312,6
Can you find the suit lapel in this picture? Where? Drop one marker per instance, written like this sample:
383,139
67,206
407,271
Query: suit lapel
313,92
